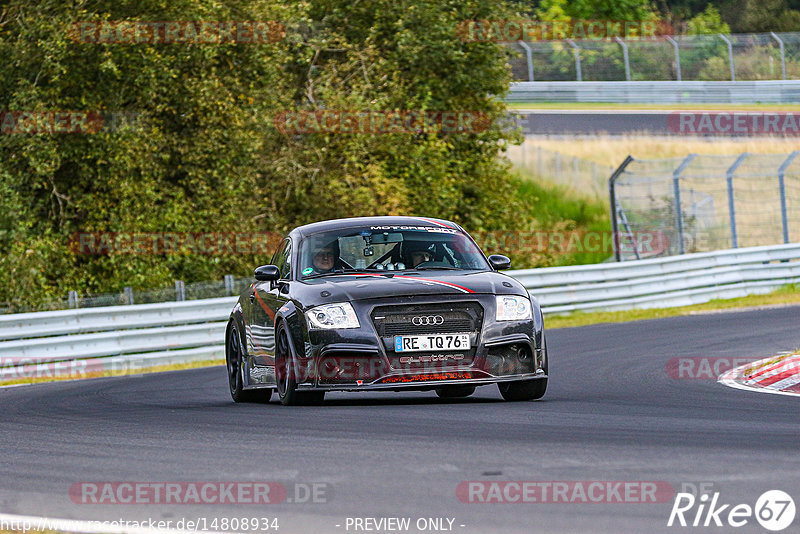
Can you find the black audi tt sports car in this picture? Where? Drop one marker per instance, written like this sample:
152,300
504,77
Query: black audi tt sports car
384,303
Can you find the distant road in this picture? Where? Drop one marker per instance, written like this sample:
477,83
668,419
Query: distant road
614,122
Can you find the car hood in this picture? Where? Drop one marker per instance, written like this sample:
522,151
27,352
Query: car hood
353,287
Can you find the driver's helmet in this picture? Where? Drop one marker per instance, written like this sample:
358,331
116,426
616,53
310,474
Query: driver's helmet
416,252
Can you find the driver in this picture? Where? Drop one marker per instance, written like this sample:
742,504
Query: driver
417,252
323,257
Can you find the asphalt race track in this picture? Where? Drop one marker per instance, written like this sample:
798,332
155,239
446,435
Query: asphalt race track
612,413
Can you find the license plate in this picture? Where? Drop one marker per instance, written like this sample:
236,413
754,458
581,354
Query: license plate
431,342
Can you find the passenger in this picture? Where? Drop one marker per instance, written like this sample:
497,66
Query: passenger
417,252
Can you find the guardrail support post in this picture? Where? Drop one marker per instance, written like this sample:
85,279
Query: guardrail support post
72,299
529,57
613,204
128,294
677,56
731,206
676,187
782,186
730,56
577,52
625,57
180,290
783,54
229,284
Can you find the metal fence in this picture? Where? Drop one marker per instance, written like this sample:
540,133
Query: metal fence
704,203
578,174
757,56
230,285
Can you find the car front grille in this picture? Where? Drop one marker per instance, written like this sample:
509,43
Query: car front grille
421,319
427,319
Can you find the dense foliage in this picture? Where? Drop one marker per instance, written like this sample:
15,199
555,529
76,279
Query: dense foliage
204,155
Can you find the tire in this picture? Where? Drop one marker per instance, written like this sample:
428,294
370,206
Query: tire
286,377
523,390
455,392
233,364
527,390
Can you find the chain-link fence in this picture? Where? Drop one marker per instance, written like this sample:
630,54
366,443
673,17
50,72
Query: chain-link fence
578,174
756,56
179,292
702,203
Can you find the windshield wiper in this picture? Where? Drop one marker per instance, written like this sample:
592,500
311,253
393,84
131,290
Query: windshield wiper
435,268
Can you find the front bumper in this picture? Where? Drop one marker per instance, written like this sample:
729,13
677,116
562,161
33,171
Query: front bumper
363,359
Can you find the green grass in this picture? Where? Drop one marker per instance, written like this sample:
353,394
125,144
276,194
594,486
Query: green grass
789,294
559,211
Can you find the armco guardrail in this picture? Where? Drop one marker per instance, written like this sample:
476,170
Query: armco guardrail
666,92
663,282
175,332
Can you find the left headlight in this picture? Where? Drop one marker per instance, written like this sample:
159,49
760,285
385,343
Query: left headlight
513,308
329,316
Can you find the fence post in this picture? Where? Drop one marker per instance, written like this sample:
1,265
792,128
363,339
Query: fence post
676,188
229,284
782,186
577,52
128,294
730,56
731,207
180,290
613,204
677,56
72,299
529,57
783,54
625,57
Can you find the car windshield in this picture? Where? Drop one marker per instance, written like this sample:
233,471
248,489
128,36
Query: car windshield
389,248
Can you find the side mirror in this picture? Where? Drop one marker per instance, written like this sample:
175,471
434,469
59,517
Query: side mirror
266,273
499,262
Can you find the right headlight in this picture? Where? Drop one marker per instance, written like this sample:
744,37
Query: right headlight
513,308
331,316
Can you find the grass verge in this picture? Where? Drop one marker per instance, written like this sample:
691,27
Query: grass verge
789,294
121,372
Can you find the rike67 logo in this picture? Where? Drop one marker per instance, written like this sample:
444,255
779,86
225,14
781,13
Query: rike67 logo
774,510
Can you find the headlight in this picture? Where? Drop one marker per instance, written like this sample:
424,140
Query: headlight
513,308
329,316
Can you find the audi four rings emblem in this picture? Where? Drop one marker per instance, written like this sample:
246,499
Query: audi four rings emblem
422,320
